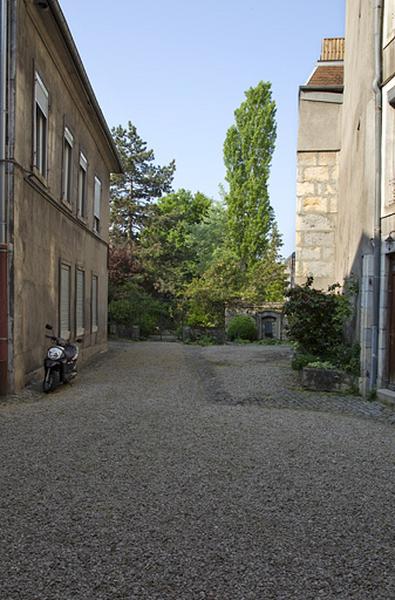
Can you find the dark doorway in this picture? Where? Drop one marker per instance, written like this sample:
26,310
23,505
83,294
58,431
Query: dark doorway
391,332
268,327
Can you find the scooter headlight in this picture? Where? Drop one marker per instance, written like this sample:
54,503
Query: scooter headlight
55,353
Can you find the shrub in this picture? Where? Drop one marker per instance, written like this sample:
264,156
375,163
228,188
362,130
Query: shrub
316,319
242,327
134,306
301,360
270,342
321,364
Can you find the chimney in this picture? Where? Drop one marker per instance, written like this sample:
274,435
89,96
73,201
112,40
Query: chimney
332,49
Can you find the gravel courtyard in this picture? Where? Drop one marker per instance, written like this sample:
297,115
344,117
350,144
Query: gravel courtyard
178,472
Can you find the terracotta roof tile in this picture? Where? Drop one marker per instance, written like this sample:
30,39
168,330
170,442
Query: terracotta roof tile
326,76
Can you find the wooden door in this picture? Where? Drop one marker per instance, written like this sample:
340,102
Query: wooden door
391,336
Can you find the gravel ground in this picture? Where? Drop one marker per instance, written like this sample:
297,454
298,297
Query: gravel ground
175,472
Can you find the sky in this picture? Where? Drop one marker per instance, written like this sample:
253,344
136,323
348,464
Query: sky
179,68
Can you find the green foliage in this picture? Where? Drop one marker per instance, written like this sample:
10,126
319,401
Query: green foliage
242,341
301,359
316,319
270,342
133,191
205,340
321,364
133,306
242,327
168,244
248,150
208,235
316,322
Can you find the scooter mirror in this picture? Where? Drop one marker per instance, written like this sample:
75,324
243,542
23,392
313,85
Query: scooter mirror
79,340
47,326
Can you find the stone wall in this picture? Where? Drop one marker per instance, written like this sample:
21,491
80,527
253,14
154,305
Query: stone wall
317,195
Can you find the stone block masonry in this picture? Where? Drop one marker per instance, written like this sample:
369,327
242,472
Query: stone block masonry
317,196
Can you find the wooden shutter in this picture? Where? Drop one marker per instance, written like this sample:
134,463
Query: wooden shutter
79,301
65,301
41,95
94,304
97,197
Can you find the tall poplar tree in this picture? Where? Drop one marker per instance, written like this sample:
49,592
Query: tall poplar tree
248,150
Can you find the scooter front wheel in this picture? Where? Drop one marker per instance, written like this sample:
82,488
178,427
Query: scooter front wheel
49,381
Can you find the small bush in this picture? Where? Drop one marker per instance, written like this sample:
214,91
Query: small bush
205,340
242,327
133,306
270,342
301,360
321,364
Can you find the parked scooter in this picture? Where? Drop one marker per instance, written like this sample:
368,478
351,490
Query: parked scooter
60,363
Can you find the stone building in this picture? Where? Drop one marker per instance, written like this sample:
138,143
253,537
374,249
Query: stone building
320,103
346,198
56,158
269,317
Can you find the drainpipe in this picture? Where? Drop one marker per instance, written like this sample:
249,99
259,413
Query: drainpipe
378,49
3,203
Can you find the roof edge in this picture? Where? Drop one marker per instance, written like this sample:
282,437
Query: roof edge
322,88
71,45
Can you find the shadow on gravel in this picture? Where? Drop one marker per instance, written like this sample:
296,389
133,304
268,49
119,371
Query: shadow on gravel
265,378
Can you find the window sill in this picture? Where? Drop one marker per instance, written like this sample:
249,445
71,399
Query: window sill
83,220
95,329
67,204
40,178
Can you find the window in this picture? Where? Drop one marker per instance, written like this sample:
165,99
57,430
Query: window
96,207
82,177
94,303
79,301
68,142
64,301
40,126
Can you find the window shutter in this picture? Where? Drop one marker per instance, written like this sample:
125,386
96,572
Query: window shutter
94,304
65,301
68,136
97,198
80,295
83,161
41,95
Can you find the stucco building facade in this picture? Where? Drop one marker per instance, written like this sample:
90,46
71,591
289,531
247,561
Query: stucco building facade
353,213
57,156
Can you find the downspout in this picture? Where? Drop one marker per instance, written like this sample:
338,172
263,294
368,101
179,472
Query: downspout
3,203
378,49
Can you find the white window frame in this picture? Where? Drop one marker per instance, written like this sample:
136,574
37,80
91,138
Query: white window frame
64,300
79,302
95,303
40,127
97,204
82,185
68,144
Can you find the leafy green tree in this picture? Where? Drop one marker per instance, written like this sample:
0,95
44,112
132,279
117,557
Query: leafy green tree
209,235
133,191
169,246
267,278
248,150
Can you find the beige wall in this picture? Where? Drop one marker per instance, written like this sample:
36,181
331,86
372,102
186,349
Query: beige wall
319,121
356,162
47,230
317,193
